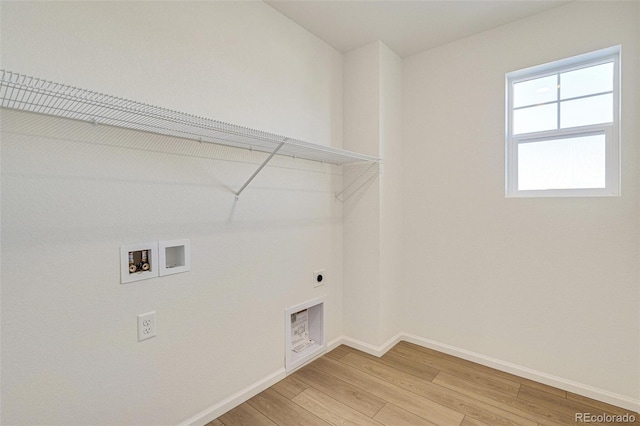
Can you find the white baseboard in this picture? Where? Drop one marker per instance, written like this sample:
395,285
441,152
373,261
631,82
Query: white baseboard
565,384
250,391
234,400
528,373
335,343
369,348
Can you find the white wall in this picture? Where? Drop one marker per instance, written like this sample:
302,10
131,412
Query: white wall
73,193
373,214
548,284
362,209
224,60
391,191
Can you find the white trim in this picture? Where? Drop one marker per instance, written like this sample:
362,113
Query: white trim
612,158
369,348
234,400
335,343
508,367
610,130
238,398
575,62
528,373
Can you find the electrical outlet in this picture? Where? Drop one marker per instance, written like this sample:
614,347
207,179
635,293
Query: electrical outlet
319,278
146,326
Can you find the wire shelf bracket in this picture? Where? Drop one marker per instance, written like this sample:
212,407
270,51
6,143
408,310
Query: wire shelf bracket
372,170
25,93
264,163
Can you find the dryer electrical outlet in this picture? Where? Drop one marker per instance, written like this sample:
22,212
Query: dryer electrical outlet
319,278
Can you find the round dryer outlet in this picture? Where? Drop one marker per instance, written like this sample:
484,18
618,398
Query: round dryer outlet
319,278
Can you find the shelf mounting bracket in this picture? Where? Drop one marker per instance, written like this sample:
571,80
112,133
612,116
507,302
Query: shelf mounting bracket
356,180
264,163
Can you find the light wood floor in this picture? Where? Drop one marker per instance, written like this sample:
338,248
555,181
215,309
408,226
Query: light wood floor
409,386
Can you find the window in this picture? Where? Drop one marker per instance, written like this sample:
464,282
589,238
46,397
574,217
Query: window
562,136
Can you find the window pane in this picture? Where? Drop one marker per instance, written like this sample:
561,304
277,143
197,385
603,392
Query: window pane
585,111
569,163
533,92
535,119
587,81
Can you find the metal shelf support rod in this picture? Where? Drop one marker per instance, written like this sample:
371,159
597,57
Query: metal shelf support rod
264,163
354,181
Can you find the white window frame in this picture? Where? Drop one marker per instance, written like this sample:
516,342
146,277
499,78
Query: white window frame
610,130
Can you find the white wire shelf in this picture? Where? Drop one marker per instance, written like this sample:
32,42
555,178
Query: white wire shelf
25,93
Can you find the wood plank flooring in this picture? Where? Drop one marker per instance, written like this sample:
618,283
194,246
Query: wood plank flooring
410,386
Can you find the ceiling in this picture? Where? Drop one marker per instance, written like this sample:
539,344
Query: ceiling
407,27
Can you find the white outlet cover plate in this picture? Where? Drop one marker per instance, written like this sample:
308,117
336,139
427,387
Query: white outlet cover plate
146,326
125,276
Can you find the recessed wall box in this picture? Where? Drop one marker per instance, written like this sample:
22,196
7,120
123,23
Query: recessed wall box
138,262
175,256
304,333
